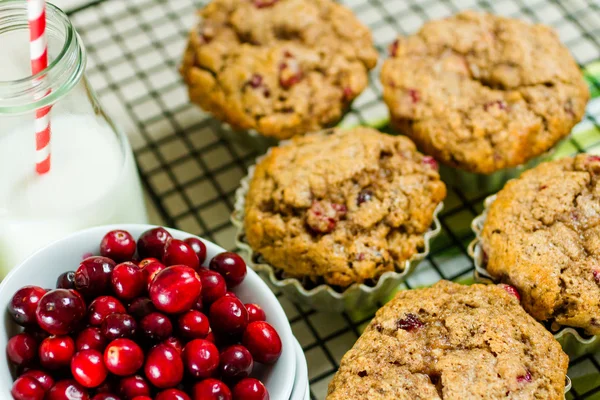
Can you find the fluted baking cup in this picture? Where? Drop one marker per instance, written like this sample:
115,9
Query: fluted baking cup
324,297
572,341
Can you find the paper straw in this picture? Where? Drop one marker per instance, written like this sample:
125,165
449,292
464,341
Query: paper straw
38,50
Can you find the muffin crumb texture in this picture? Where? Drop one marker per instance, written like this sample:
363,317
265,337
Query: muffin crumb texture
342,206
281,67
482,92
452,342
542,235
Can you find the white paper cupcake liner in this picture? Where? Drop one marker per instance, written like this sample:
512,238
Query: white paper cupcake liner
324,297
573,343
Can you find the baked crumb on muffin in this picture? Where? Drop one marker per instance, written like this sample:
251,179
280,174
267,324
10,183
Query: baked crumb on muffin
452,342
281,67
542,235
342,206
481,92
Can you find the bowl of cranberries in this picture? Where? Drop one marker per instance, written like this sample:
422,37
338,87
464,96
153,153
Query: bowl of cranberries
138,312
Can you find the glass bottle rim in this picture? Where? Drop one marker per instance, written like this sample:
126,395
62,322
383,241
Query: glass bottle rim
63,72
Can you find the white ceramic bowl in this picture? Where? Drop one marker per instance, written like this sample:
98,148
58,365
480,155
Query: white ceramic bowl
301,390
43,267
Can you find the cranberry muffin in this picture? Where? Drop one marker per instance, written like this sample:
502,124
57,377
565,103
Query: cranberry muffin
452,342
280,67
341,206
481,92
542,235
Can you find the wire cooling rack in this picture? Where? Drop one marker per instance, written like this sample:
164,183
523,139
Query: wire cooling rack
190,166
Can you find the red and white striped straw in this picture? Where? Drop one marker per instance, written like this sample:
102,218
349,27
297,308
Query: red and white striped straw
38,50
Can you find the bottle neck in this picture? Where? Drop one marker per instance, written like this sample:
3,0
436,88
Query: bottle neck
66,59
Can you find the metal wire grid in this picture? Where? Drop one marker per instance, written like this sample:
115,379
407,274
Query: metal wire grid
190,166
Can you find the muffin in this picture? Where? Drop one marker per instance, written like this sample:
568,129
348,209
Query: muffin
542,235
481,93
452,342
341,206
280,67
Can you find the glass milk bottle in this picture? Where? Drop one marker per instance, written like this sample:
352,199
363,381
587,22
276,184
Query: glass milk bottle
92,178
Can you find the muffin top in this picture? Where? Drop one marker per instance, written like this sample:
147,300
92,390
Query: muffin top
281,67
342,206
482,92
452,342
542,235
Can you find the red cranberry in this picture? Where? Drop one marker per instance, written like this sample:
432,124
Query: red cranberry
231,266
151,270
60,311
92,278
250,389
172,394
235,363
510,290
263,342
175,289
56,351
178,252
201,358
38,333
118,245
123,357
108,386
211,389
67,389
133,386
24,303
117,326
213,286
43,378
174,343
147,261
596,274
430,161
230,294
199,248
128,281
394,48
152,242
199,304
255,313
290,73
164,367
102,307
90,339
27,388
22,349
524,378
347,93
88,369
141,307
142,398
228,316
66,280
105,396
193,325
415,96
264,3
156,326
409,323
210,337
323,216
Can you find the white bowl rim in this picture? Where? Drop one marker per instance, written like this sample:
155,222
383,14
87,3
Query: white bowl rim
287,338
